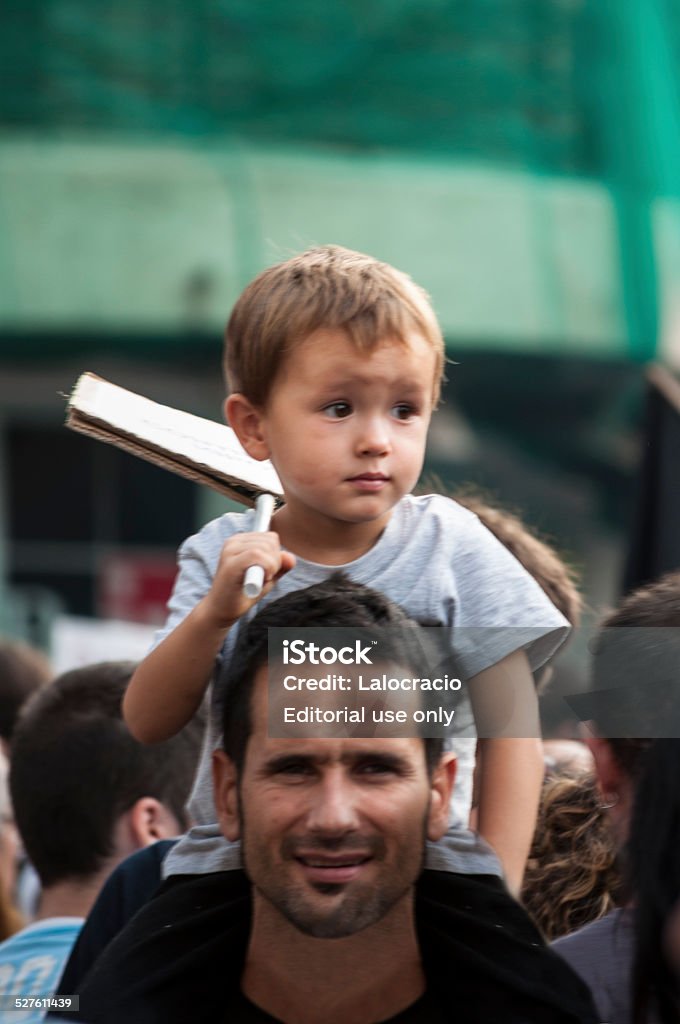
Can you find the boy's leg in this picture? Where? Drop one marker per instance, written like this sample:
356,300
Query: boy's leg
462,852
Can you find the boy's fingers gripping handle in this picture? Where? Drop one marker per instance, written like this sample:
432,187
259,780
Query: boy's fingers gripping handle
254,577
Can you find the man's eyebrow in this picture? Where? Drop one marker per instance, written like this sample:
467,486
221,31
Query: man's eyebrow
278,761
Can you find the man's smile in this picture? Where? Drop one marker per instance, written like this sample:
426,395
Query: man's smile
332,868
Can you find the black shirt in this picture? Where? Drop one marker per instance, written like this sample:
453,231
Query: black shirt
180,959
241,1011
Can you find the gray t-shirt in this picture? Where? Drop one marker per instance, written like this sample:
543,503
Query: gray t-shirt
434,559
602,954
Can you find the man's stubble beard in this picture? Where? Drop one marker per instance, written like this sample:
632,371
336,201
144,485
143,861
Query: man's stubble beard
363,905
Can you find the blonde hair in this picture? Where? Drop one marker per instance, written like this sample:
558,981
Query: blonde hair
327,287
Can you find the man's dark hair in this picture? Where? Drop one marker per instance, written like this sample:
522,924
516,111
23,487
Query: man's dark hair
336,603
75,769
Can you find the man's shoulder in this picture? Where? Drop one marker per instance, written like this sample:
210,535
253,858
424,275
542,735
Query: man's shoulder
31,961
503,966
177,957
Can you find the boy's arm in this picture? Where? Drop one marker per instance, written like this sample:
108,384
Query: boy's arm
510,761
168,686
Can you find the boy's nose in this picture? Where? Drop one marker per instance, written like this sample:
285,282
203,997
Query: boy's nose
374,438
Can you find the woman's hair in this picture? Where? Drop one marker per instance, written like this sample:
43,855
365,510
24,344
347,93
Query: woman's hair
571,876
653,861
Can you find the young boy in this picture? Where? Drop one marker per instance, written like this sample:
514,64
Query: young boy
334,362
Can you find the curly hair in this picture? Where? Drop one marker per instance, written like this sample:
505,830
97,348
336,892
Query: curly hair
572,876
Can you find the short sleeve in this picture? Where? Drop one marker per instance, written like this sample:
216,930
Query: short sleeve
500,608
197,561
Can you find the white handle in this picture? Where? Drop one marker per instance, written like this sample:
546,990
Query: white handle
253,581
254,577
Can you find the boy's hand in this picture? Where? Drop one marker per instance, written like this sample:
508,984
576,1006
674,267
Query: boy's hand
225,602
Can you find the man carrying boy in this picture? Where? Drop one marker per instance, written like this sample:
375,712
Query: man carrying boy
334,362
333,920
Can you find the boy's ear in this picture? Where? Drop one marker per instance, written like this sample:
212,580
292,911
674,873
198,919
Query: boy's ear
441,785
225,788
247,422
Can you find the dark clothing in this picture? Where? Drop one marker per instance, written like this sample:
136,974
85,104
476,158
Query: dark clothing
129,886
242,1011
181,957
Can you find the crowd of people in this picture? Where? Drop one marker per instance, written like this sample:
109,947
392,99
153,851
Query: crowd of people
353,876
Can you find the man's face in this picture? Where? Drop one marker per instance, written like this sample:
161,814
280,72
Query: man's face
332,830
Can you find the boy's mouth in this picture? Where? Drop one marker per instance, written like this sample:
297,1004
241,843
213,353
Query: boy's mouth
369,481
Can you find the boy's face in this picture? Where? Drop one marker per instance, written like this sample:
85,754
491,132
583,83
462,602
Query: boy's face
346,431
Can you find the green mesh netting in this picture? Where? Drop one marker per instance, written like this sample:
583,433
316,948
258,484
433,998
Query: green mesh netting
573,89
490,77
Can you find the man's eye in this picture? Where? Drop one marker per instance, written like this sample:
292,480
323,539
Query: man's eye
403,411
337,410
292,769
375,768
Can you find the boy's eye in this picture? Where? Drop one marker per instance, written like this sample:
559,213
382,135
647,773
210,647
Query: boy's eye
337,410
403,411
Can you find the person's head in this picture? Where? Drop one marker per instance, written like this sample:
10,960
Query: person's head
328,288
23,670
334,364
571,876
84,792
332,830
636,655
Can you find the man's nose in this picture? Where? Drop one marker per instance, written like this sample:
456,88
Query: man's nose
374,436
333,809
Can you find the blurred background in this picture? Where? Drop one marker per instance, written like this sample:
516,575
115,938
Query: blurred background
520,158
